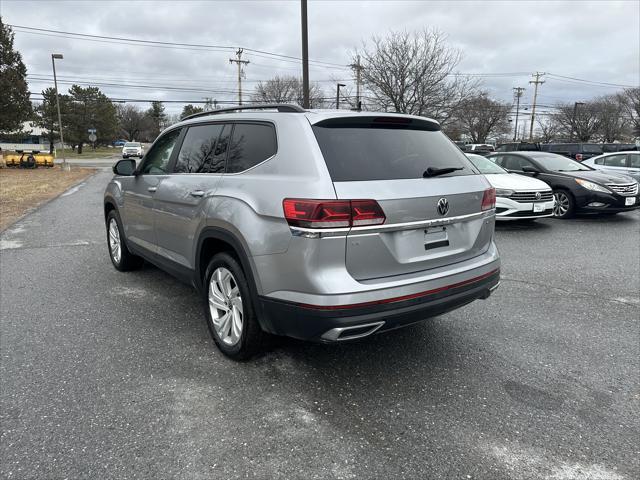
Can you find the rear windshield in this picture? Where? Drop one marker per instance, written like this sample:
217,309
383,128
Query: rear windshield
368,151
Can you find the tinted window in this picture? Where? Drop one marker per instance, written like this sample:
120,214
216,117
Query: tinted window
592,148
514,162
599,161
634,160
157,159
198,151
366,151
250,145
615,161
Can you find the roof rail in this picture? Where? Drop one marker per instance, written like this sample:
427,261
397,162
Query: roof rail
280,107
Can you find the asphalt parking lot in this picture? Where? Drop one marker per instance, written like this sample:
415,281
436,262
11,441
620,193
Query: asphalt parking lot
112,375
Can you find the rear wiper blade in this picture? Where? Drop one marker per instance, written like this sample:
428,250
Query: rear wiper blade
434,172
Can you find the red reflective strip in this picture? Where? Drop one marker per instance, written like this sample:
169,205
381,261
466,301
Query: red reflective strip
402,298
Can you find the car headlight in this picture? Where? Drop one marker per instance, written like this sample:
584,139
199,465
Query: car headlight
503,192
592,186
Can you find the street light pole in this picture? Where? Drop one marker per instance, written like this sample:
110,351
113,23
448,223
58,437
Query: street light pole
338,85
573,119
59,56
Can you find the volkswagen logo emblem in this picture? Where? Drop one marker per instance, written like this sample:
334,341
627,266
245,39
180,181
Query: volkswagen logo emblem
538,195
443,206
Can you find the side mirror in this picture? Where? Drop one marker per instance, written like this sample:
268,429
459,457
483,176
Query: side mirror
125,167
533,170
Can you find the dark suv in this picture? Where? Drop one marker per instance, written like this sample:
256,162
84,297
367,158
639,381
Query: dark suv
518,147
575,151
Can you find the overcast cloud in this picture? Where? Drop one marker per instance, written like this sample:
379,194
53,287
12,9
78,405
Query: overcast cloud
599,41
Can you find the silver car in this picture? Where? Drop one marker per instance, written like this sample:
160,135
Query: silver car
319,225
624,163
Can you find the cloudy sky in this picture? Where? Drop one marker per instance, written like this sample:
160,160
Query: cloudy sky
597,44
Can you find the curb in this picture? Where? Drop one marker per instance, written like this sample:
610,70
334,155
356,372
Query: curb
49,200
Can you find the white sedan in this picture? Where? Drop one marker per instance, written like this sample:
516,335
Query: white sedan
518,197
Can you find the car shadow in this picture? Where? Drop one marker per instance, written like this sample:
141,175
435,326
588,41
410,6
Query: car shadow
515,225
620,218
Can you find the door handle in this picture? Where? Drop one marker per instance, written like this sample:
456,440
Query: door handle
152,189
197,193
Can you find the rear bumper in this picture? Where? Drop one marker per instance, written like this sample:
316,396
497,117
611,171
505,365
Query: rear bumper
327,323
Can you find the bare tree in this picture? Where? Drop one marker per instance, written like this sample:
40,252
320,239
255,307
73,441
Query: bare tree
579,122
481,117
131,121
548,127
630,100
611,117
414,73
287,89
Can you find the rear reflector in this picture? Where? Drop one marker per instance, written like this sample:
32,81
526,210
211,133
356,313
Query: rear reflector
332,213
489,199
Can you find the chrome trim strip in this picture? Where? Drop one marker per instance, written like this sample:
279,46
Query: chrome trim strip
436,222
368,229
334,334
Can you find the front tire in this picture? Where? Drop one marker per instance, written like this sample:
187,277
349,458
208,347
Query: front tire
565,204
120,255
229,308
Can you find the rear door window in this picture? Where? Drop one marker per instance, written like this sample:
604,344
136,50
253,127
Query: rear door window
198,151
615,161
386,148
251,144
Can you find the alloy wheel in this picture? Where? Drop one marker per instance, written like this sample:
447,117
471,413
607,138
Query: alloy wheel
561,206
225,305
115,246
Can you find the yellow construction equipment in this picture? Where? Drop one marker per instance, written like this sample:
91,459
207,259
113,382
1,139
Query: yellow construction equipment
28,159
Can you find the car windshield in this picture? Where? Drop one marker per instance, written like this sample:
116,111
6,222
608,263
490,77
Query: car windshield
557,163
131,144
486,166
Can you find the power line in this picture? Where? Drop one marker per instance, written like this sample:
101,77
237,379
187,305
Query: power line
593,82
166,44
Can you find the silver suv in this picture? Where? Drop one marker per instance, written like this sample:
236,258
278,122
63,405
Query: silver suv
319,225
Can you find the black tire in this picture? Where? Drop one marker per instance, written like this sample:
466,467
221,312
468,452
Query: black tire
565,205
126,261
251,338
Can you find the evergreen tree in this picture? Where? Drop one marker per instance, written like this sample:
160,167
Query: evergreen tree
14,93
90,108
157,118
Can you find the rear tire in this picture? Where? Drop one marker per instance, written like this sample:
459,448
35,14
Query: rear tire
120,255
229,310
565,204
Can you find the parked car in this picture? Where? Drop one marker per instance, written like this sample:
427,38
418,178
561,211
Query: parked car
619,147
324,226
479,148
119,143
132,149
575,151
576,187
518,197
624,163
518,147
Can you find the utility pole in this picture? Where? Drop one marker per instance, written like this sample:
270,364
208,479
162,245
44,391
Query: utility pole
573,119
240,62
358,68
305,55
59,56
518,91
536,82
338,85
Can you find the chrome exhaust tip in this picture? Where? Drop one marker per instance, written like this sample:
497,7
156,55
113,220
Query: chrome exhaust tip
489,291
339,334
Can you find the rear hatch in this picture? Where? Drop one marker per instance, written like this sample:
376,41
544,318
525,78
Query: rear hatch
385,159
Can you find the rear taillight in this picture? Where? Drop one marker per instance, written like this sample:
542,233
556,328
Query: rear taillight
579,157
332,213
489,199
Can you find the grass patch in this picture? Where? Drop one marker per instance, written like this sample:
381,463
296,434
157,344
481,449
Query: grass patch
22,190
88,152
